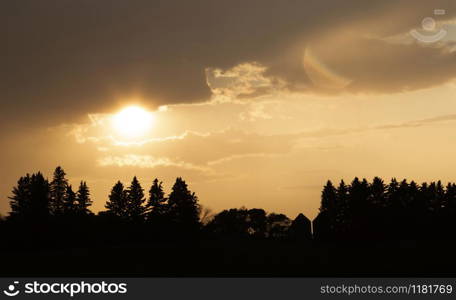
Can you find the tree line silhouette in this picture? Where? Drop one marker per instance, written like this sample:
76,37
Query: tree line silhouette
360,210
36,200
378,211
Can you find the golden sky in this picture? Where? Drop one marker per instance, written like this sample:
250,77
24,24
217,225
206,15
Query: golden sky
254,104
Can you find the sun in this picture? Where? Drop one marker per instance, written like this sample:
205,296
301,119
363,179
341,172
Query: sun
133,122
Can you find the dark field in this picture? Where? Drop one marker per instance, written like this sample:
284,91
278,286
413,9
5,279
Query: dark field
209,258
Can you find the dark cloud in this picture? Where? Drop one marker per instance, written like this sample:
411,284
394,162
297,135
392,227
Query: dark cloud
64,58
374,65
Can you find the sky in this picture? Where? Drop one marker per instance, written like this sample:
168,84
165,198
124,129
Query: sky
254,103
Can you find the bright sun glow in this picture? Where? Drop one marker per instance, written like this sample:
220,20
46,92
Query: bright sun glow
133,122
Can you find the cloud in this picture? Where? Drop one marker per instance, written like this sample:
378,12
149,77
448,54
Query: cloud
212,148
147,161
206,152
245,80
366,63
420,123
240,156
256,111
327,132
65,58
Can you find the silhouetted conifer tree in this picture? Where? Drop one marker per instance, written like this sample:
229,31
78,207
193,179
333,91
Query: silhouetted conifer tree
359,193
183,206
404,194
391,193
117,203
439,201
328,198
58,187
31,198
398,210
378,191
21,206
450,198
343,208
430,195
329,204
83,199
69,205
135,201
413,194
39,191
156,204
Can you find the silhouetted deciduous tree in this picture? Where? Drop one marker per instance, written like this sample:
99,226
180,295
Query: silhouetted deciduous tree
257,222
232,223
206,215
277,226
249,223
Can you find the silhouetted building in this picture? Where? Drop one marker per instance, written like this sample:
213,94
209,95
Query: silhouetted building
301,229
321,227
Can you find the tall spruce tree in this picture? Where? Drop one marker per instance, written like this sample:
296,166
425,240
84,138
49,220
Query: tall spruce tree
69,205
117,203
439,202
392,193
183,205
413,193
378,190
359,194
329,204
343,207
83,199
58,186
328,198
135,201
403,194
156,204
39,192
20,203
31,198
450,198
